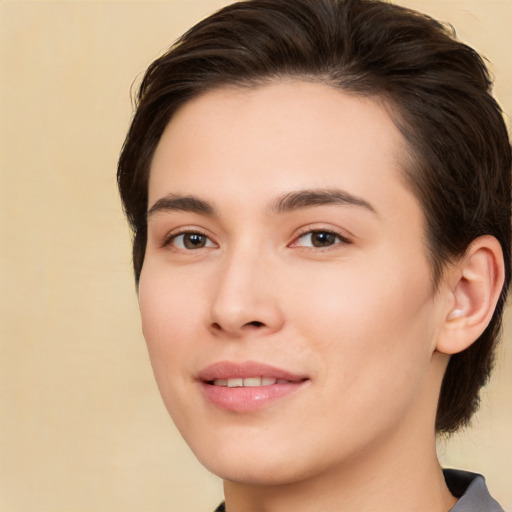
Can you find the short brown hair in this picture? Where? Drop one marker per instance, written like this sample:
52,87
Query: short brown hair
438,90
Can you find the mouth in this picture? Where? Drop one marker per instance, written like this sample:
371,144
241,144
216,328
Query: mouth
248,382
248,386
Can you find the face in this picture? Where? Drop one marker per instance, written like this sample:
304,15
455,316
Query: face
286,296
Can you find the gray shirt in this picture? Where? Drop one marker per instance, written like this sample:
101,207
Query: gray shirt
472,492
469,488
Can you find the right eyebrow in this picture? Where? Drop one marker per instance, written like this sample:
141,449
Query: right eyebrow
176,202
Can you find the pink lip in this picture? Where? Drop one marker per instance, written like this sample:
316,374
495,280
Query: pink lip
247,399
230,370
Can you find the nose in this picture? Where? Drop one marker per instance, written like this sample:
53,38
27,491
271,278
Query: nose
245,298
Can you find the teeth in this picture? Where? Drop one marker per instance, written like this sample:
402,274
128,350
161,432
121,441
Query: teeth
252,381
248,382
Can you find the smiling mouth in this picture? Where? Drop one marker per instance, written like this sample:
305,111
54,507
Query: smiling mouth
248,382
248,386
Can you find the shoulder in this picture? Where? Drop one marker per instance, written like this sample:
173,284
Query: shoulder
472,492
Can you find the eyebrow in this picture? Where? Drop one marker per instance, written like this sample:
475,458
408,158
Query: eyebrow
318,197
291,201
176,202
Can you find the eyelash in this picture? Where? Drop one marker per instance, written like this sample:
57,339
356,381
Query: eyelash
209,243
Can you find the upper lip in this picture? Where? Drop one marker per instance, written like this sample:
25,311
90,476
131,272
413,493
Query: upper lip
232,370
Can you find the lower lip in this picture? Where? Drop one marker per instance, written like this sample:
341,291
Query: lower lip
247,399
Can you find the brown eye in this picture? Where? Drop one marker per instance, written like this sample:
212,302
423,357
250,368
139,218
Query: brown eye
320,239
191,240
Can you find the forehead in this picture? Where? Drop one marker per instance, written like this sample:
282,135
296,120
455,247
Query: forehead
249,144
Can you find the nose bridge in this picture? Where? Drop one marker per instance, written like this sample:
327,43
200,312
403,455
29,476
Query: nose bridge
245,297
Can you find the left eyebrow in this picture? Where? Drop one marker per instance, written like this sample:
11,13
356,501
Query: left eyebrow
299,199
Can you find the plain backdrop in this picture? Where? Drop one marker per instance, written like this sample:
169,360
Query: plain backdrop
82,425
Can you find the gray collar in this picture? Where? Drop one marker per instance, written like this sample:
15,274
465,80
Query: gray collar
472,492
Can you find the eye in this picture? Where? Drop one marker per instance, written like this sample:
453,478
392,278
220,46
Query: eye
190,240
319,238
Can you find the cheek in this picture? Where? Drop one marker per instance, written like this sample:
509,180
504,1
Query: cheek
169,302
171,315
374,344
169,323
370,323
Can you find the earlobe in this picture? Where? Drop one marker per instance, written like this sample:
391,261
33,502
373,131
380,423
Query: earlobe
475,291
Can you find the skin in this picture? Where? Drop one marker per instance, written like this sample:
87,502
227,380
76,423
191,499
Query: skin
358,316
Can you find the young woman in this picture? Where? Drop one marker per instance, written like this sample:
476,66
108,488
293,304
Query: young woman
319,192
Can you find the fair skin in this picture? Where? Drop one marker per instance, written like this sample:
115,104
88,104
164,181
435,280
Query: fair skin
282,234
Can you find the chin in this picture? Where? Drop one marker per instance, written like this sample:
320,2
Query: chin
266,474
261,468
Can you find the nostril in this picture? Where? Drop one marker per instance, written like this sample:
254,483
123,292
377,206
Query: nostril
235,329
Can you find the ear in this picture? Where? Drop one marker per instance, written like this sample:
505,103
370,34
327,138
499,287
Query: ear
475,283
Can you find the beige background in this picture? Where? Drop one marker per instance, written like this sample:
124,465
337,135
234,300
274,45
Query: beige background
82,425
